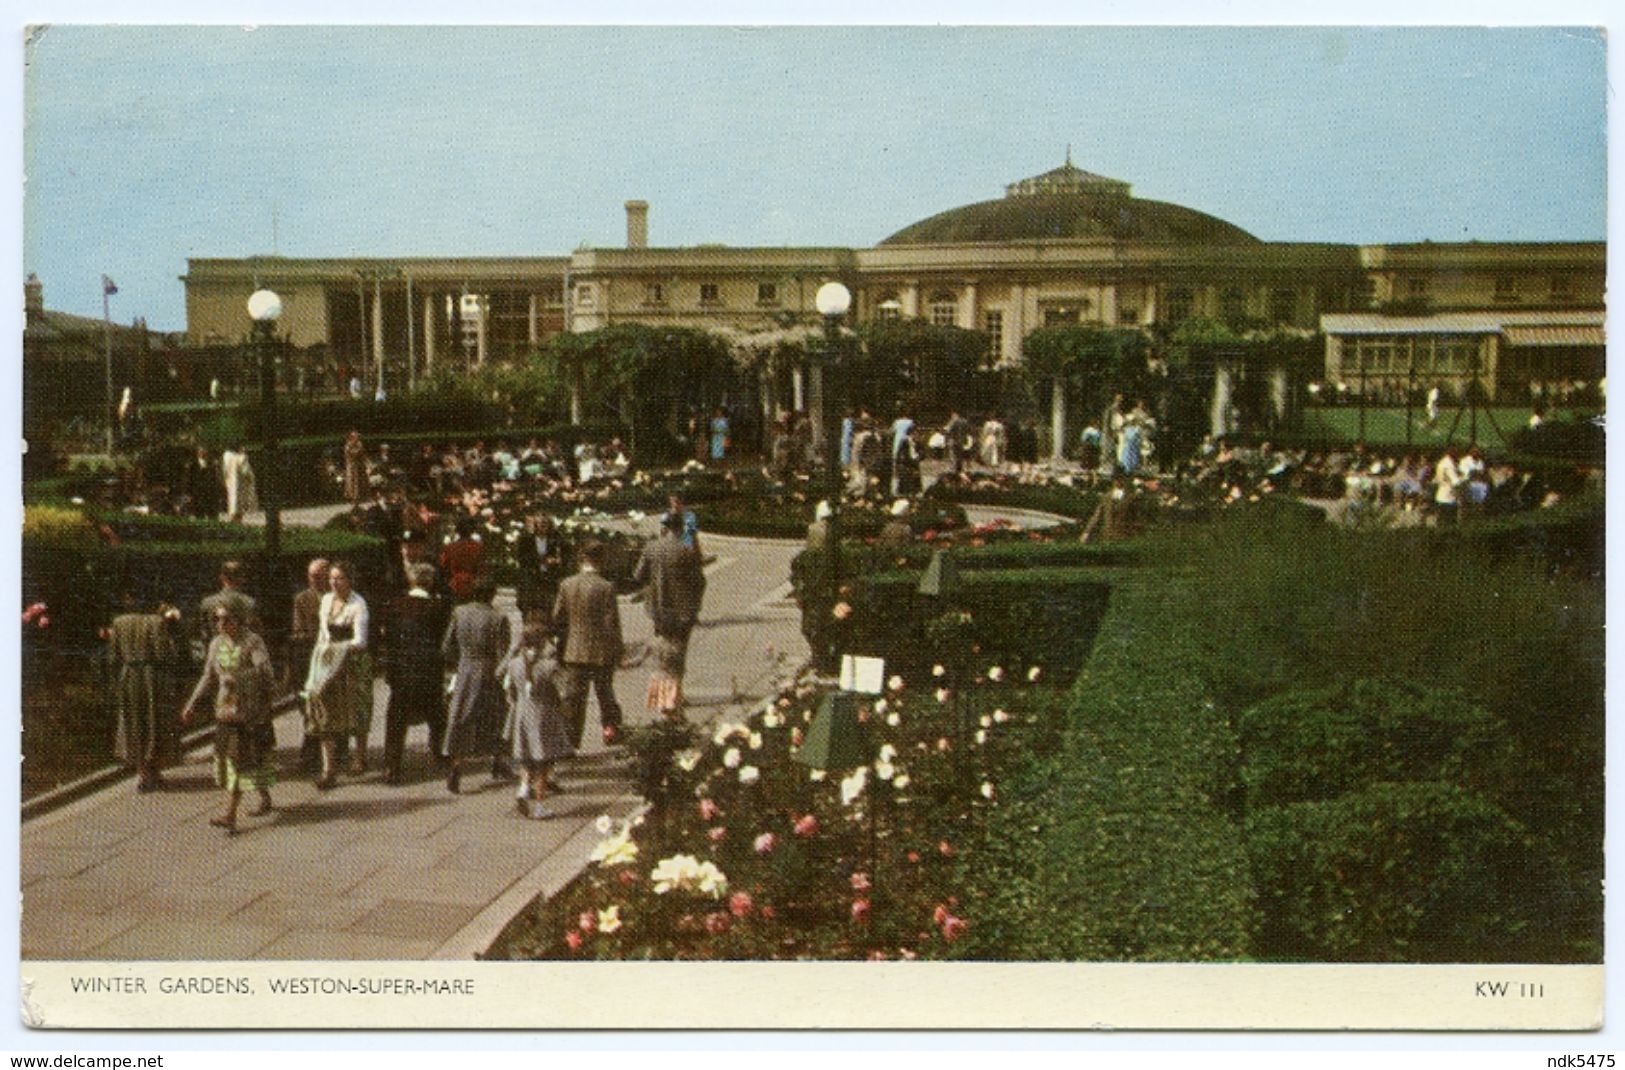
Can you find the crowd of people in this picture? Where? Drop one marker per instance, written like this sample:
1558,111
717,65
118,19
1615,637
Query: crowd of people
1362,485
518,702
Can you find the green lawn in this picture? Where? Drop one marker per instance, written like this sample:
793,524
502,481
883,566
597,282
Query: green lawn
1386,426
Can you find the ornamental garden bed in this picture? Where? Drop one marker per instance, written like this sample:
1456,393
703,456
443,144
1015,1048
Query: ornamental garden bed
1287,742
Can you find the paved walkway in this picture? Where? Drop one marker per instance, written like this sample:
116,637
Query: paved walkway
369,871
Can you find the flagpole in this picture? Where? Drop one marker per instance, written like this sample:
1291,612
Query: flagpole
107,346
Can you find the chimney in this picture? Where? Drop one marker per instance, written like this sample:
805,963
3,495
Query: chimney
33,298
637,224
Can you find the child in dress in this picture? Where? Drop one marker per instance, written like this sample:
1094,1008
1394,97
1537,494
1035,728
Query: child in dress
530,677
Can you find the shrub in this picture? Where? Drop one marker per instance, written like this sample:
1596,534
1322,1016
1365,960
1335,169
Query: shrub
1316,744
1419,872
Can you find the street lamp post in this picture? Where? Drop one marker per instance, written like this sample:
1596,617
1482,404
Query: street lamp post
265,307
832,301
108,290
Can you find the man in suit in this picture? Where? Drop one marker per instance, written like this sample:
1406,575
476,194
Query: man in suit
673,576
201,484
413,630
587,610
543,564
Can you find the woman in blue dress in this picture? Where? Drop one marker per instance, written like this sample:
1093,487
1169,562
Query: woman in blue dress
719,435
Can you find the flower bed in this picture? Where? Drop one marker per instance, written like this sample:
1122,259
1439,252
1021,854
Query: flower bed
747,853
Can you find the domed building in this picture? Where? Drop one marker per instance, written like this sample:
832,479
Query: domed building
1062,247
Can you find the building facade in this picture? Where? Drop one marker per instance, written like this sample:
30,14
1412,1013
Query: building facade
1063,247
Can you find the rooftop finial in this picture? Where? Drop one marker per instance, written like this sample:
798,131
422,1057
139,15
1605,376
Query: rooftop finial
1069,154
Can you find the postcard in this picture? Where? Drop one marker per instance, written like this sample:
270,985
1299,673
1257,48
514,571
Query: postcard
1026,527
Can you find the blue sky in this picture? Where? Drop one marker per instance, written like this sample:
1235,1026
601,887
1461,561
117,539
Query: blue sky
147,145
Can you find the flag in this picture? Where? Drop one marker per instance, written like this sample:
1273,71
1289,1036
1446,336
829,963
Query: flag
108,286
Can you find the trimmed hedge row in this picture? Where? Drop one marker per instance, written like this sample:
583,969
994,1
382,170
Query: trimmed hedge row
174,560
1119,845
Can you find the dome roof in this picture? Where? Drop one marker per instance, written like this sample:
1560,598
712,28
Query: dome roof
1070,203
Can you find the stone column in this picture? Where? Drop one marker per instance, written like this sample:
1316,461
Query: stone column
479,336
428,334
1108,305
910,300
1057,419
967,308
378,331
1278,393
1018,324
533,333
797,402
1219,410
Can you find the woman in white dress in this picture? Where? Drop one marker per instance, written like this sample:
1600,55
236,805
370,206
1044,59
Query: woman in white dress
339,687
238,476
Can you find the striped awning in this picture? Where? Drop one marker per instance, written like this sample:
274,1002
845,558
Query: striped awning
1553,334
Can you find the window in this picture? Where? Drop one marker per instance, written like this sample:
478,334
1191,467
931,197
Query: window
1506,289
1365,296
710,293
1128,317
1178,305
1562,288
767,293
944,308
1416,287
888,307
584,294
1060,317
654,293
993,327
1232,306
1283,306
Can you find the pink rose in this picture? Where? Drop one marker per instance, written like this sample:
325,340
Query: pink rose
709,810
718,834
765,843
860,882
860,910
717,923
945,849
573,939
953,928
740,904
807,825
588,921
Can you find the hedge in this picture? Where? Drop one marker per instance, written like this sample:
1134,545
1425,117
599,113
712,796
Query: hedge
1416,872
1119,846
1316,744
1134,840
80,573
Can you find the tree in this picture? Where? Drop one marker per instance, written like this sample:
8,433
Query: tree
919,366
